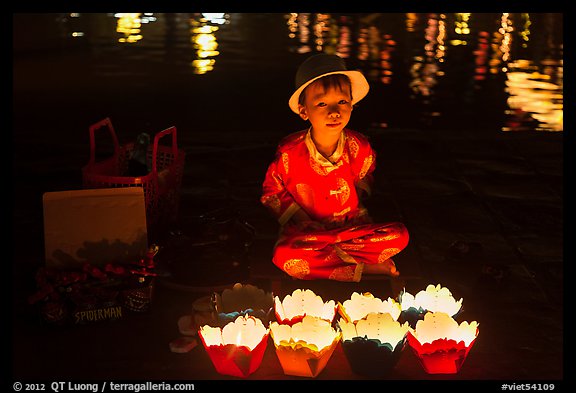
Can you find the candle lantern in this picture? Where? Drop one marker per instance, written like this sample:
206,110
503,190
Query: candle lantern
238,348
243,300
360,305
373,345
300,303
305,347
440,343
434,299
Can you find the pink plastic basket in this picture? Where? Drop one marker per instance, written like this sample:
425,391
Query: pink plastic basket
161,185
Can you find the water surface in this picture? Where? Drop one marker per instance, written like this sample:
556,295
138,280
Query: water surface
426,70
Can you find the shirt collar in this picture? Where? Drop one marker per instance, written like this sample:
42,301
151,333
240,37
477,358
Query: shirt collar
318,157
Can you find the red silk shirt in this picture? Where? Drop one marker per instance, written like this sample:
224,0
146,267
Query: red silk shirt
299,177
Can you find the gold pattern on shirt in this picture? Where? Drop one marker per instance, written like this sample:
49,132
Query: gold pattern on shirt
351,246
366,166
342,212
345,158
298,268
387,254
345,273
277,181
309,243
353,146
343,191
319,169
273,202
285,162
385,238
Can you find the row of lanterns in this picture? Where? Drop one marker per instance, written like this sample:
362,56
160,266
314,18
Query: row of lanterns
373,332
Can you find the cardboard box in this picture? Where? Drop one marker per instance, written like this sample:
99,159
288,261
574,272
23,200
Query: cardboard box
96,226
98,263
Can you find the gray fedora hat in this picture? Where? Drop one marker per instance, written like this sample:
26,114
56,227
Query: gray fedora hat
322,64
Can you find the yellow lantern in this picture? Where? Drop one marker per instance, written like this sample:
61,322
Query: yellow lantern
238,348
301,303
373,345
305,347
440,343
360,305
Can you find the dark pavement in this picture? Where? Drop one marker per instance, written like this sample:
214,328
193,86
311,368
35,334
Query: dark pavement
485,214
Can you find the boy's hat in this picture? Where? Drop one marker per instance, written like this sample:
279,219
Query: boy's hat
323,64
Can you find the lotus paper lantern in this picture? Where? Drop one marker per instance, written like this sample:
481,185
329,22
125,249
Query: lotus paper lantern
360,305
304,348
238,348
434,298
440,343
243,300
293,308
373,345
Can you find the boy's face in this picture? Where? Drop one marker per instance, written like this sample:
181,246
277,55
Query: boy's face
329,111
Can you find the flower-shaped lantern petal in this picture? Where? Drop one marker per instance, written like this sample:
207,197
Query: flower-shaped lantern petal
305,347
300,303
243,300
440,343
373,345
238,348
434,299
360,305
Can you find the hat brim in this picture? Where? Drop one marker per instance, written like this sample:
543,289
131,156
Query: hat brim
358,81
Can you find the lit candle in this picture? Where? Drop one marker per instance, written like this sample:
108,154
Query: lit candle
373,345
300,303
360,305
440,343
305,347
434,298
238,348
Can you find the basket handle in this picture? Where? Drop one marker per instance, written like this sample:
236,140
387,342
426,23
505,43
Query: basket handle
168,131
93,128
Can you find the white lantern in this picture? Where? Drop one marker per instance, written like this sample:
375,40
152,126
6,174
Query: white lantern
301,303
360,305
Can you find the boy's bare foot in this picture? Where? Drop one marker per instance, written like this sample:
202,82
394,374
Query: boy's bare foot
387,267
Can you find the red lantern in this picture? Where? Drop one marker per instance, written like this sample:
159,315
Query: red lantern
238,348
440,343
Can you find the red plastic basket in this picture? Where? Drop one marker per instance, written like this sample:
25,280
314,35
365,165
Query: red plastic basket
161,185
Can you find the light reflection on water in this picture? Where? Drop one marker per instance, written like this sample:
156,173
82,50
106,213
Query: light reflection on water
444,65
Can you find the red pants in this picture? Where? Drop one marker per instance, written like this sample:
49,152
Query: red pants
338,254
